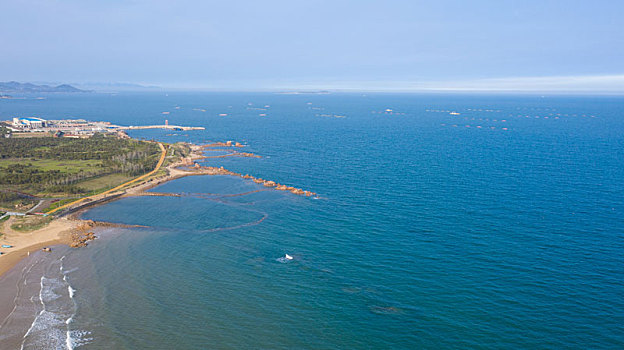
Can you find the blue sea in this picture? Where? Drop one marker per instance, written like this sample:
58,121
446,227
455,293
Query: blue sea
441,222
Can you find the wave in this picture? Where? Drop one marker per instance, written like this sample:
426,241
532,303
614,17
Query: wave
71,291
52,326
67,272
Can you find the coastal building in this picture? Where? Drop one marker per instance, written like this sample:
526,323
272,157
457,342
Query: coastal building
29,123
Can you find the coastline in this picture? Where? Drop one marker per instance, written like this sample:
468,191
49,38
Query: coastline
59,230
56,232
65,227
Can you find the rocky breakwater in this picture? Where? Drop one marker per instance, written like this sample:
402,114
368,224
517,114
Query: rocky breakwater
82,234
278,187
203,170
246,154
223,144
227,144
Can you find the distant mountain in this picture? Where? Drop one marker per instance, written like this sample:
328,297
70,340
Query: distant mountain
322,92
115,87
15,87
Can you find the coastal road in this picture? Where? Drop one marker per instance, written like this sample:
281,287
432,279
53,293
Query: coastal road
41,201
100,195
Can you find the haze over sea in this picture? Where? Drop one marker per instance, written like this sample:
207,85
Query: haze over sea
498,227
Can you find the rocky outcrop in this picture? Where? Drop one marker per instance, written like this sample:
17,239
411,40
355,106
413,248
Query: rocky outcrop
246,154
79,241
82,234
223,144
297,191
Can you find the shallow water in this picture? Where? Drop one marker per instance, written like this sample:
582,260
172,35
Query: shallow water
424,235
42,304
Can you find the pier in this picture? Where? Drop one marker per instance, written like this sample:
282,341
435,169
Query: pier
164,126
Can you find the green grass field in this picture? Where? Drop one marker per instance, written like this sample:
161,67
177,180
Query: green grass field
104,182
67,166
30,223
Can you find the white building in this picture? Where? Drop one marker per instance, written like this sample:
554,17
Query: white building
29,123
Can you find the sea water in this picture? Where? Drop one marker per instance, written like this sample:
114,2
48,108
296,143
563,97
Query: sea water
441,221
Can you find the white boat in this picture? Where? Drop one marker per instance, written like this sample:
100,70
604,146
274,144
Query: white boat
288,257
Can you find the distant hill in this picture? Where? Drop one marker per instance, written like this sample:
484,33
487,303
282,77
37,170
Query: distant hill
115,87
15,87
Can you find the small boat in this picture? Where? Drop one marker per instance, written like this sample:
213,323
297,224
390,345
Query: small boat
288,257
7,246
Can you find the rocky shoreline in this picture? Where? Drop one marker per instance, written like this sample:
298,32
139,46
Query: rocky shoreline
206,170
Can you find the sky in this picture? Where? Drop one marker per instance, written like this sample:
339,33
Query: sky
505,45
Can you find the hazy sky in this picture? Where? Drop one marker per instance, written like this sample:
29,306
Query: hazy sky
384,44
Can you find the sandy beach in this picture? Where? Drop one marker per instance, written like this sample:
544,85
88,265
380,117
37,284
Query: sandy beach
57,232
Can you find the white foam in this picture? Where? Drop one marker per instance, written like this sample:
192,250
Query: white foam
70,271
51,327
68,340
71,291
284,259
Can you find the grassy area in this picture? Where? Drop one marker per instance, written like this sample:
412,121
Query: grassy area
58,204
67,166
104,182
31,134
59,167
2,224
30,223
17,204
75,170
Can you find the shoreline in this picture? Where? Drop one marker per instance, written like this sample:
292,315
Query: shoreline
56,232
67,228
59,231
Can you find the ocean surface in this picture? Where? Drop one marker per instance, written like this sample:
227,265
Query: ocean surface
441,221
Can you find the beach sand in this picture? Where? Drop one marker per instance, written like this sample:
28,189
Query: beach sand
57,232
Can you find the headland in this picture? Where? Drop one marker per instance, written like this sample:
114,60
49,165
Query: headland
41,209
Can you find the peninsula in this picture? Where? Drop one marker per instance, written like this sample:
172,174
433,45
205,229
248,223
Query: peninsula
45,181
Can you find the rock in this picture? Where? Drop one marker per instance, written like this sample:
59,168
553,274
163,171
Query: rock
246,154
269,184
